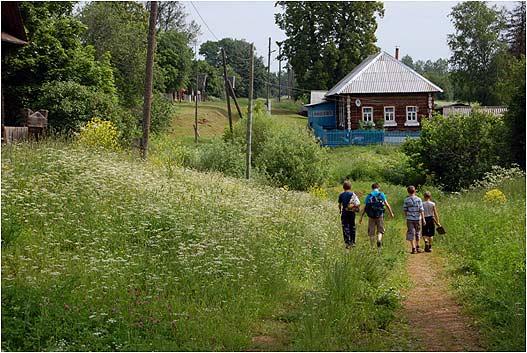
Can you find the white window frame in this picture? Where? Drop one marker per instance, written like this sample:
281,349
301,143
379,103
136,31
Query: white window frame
370,115
411,116
387,115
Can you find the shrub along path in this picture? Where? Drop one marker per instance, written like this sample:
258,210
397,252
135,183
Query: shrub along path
432,313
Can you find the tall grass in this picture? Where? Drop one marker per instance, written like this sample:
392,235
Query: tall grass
486,247
101,252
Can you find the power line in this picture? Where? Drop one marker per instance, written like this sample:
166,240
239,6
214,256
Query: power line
205,23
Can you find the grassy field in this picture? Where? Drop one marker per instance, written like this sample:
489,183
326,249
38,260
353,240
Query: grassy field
103,252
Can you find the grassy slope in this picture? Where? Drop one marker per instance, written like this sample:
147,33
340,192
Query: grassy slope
213,119
102,252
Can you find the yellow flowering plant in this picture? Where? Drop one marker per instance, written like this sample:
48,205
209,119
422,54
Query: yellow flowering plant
495,196
99,133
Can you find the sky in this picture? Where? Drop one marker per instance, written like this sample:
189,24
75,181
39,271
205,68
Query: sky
418,28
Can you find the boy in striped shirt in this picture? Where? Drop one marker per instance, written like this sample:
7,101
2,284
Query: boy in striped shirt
414,212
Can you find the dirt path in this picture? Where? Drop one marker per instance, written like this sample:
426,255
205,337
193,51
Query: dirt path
434,317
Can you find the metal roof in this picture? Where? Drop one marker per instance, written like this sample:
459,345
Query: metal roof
382,73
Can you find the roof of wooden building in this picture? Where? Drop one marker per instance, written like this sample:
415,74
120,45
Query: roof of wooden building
382,73
12,26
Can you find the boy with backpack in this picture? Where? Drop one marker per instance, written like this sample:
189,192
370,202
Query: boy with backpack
414,212
374,208
348,205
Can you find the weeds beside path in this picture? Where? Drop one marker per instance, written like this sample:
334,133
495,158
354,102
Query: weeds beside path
434,317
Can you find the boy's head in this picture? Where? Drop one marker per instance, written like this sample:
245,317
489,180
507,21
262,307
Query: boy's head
411,189
346,185
427,195
375,186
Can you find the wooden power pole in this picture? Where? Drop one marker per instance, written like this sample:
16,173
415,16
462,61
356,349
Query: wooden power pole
196,132
250,116
147,105
279,72
235,100
227,93
269,79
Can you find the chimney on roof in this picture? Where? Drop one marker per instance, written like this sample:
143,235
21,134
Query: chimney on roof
397,53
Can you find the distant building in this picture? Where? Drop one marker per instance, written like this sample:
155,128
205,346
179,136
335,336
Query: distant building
460,108
381,92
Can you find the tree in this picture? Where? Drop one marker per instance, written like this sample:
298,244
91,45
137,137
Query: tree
435,71
171,16
120,28
174,60
408,61
326,40
515,116
476,49
54,54
238,53
515,35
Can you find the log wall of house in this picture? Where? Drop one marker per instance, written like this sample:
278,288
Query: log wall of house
399,101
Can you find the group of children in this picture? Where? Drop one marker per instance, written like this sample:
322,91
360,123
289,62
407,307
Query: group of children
416,212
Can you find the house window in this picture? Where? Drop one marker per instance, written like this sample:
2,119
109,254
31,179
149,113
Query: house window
411,116
389,116
367,114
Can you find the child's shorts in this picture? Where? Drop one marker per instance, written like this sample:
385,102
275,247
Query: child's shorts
429,227
413,230
375,226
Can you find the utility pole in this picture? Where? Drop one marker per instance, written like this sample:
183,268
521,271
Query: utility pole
147,105
196,133
279,71
289,81
227,92
235,100
269,79
250,116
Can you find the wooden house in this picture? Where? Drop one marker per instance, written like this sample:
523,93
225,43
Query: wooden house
381,93
13,36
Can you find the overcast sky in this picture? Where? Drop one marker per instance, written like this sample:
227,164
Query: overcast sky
419,28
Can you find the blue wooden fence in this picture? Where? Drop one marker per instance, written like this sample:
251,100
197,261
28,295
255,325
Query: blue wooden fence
333,138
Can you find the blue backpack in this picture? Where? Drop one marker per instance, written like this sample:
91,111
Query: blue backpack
374,205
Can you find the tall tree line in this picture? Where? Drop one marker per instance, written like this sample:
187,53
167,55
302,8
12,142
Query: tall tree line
326,40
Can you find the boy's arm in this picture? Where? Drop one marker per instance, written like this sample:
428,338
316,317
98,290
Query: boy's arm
362,214
436,216
423,217
340,208
389,208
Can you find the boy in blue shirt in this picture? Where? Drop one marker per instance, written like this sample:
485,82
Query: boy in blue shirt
374,208
348,205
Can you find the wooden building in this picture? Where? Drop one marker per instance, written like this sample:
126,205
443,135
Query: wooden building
13,37
380,92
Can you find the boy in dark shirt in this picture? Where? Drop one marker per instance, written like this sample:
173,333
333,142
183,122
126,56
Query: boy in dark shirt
348,205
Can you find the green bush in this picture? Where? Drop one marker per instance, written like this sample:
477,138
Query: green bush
458,150
220,156
262,127
71,104
282,154
161,114
292,157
